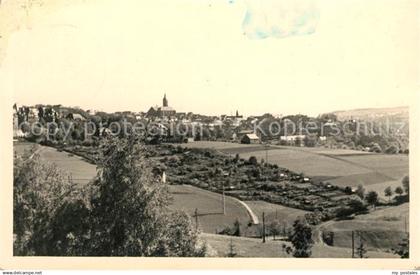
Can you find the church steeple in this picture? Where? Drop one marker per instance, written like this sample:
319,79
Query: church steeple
165,101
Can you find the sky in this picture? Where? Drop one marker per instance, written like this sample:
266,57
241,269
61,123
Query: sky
216,57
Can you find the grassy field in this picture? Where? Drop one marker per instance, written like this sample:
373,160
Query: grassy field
381,229
272,212
209,206
80,171
244,247
217,145
249,247
338,166
20,147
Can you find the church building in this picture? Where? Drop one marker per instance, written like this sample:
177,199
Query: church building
164,111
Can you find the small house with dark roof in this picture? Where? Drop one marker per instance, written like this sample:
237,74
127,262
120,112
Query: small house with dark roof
250,139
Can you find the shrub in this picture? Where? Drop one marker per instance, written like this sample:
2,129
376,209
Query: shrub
406,184
399,191
343,212
357,206
301,239
360,192
376,148
348,190
253,160
391,150
328,238
372,198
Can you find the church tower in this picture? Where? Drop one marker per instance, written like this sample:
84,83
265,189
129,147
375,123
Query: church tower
165,101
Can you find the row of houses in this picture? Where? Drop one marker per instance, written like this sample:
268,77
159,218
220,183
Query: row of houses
34,113
235,127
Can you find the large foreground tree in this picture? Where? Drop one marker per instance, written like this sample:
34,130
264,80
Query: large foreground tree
301,239
124,212
49,212
130,209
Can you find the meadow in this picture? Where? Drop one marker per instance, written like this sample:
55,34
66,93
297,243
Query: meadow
80,171
285,215
251,247
209,207
337,166
381,229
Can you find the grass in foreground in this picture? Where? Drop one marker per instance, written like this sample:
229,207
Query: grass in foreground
249,248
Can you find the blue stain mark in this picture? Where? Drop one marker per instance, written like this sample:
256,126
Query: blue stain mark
231,2
279,21
247,18
276,32
301,20
310,31
305,18
261,34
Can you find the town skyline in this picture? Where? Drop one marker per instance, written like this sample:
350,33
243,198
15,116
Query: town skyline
231,112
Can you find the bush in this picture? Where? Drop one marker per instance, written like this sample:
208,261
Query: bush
357,206
372,198
401,199
344,212
253,161
391,150
226,231
314,218
328,238
406,184
376,148
301,239
348,190
87,142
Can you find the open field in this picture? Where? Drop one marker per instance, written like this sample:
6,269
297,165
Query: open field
249,247
311,164
337,166
81,171
209,206
218,145
245,247
381,229
20,147
273,211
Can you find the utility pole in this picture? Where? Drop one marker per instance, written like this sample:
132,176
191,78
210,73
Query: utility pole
266,152
226,176
361,250
352,244
232,252
263,230
223,199
196,218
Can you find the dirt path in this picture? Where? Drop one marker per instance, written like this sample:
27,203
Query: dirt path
254,218
317,234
